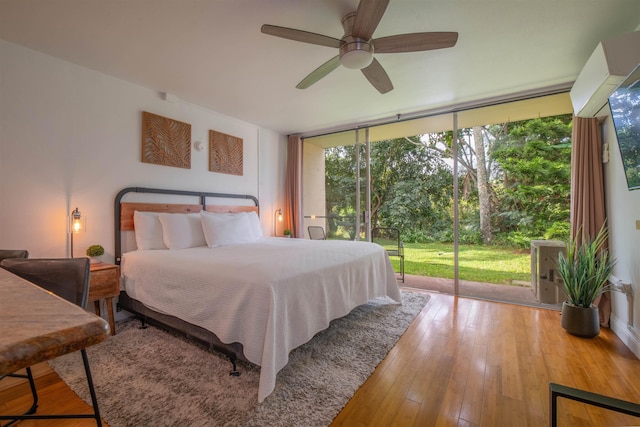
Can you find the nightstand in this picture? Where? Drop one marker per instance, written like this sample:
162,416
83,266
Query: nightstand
104,283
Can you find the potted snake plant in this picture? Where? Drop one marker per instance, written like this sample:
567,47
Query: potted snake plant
585,271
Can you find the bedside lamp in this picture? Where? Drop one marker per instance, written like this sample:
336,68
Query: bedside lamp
75,225
276,215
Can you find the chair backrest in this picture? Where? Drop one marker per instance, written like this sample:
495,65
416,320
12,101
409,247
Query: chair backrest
13,253
387,237
316,232
66,277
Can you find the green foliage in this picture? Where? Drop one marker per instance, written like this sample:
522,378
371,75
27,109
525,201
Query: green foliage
287,232
413,235
534,159
411,187
95,250
585,268
412,184
559,230
519,239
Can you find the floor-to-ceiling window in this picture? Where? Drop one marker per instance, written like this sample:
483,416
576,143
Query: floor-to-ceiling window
447,181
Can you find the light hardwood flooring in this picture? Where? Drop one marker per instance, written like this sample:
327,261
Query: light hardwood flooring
463,362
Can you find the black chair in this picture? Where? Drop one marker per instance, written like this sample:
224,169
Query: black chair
69,279
389,239
316,232
13,253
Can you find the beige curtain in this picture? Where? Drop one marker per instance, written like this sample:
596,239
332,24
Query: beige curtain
587,189
293,187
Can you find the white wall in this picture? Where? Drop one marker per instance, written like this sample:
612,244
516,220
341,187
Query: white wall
314,199
71,137
623,207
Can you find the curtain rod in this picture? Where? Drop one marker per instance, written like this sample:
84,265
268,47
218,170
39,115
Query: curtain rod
464,106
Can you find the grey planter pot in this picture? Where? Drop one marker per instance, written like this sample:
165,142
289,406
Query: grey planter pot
580,321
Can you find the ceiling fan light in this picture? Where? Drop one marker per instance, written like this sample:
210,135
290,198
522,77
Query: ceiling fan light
356,59
355,53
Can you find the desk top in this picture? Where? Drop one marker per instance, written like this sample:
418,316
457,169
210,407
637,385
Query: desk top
36,325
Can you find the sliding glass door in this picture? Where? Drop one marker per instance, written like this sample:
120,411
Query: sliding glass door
468,190
337,192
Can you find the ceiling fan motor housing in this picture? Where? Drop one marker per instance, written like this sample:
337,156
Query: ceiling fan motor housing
355,53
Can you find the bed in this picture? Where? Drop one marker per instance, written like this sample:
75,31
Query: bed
255,299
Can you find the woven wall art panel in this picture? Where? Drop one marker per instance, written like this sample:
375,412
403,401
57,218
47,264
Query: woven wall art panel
165,141
225,153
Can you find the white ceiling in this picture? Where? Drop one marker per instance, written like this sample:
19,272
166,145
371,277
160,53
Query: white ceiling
212,53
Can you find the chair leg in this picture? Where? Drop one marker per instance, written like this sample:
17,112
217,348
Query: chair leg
34,394
92,391
30,415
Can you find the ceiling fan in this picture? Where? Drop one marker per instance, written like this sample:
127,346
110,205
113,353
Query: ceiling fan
356,47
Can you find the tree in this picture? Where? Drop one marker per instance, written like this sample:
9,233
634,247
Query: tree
483,186
411,188
535,163
340,182
515,182
500,196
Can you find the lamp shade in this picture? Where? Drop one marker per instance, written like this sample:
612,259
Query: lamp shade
76,223
277,217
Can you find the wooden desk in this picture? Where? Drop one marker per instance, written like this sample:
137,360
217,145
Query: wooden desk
104,283
36,325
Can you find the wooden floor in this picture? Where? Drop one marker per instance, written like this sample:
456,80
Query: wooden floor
463,362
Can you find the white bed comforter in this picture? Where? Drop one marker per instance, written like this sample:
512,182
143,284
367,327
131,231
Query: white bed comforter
272,296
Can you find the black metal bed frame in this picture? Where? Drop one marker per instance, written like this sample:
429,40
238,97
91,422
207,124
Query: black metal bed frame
203,201
234,350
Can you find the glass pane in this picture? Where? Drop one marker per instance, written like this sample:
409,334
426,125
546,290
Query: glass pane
330,183
514,190
412,188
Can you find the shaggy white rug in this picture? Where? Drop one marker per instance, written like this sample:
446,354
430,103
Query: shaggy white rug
147,377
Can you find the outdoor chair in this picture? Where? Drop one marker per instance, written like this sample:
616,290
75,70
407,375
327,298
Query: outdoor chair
316,232
389,239
67,278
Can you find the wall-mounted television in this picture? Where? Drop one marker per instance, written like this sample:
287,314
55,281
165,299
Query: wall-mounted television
625,110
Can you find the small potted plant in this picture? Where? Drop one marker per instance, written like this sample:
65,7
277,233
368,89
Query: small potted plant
287,233
94,252
584,270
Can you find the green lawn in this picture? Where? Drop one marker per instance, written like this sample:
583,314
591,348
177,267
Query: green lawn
479,263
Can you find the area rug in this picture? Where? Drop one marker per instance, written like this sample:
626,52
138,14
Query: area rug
147,377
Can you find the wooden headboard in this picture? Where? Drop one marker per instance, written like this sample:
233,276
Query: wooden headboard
123,211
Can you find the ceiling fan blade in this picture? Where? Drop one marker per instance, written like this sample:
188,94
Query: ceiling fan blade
415,42
299,35
320,72
368,17
378,77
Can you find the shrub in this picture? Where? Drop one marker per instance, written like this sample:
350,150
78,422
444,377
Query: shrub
95,250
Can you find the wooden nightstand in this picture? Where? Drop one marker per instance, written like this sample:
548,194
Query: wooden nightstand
104,283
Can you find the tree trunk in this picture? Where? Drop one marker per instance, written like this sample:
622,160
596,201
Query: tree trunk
483,186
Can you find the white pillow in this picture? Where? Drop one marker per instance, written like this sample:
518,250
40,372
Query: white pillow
226,229
254,223
181,231
148,230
